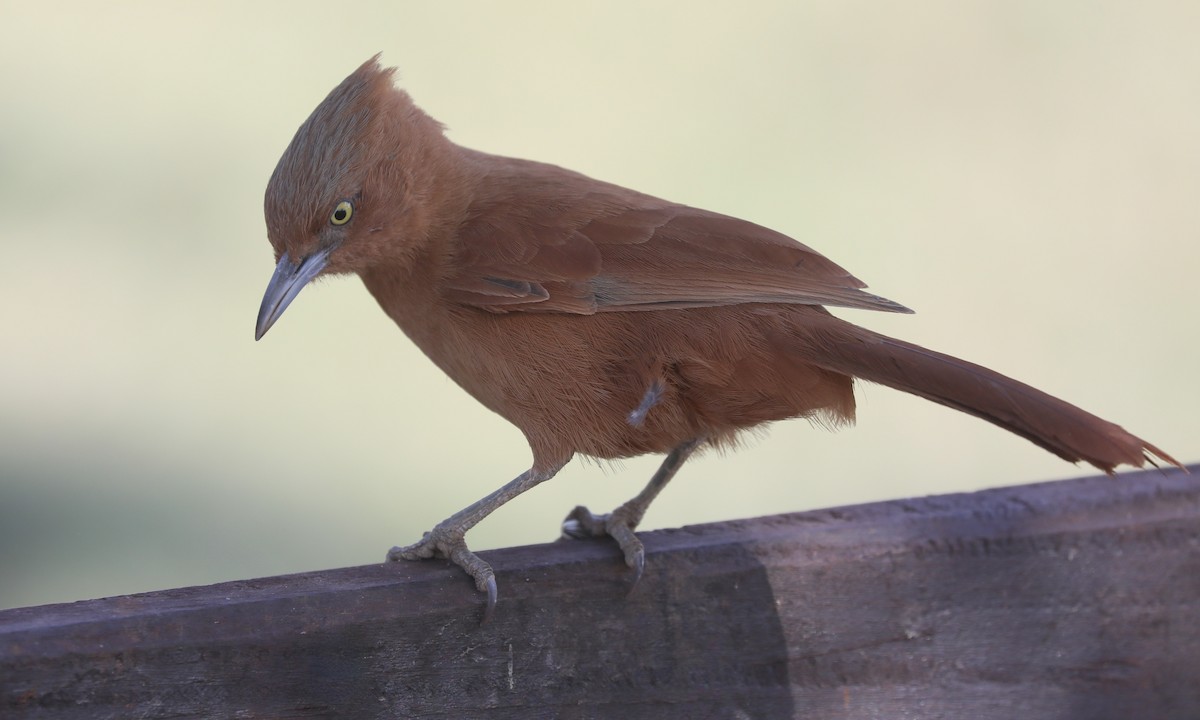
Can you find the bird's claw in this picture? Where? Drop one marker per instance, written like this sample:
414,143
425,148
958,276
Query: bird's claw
581,523
492,593
449,543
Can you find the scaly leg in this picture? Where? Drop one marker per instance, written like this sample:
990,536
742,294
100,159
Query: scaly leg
447,539
620,523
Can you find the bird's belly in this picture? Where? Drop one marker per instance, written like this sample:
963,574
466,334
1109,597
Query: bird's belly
571,383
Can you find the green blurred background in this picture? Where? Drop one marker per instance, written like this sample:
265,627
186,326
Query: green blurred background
1026,175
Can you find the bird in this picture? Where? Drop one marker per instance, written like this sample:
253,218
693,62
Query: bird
598,320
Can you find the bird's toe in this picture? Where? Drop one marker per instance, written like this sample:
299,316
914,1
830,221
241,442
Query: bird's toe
581,524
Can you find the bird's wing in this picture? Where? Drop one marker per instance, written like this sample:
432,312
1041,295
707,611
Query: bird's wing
555,241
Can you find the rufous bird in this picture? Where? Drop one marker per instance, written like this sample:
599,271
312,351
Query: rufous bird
598,320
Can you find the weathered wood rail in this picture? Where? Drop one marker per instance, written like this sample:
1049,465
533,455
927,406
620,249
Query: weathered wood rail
1073,599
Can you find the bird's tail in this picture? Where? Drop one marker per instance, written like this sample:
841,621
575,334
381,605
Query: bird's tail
1065,430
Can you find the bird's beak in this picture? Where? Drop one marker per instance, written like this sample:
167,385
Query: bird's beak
287,282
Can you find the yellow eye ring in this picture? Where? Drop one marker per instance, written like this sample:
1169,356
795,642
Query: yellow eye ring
341,213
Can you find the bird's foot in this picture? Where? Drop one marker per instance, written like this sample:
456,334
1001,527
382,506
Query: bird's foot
619,525
449,543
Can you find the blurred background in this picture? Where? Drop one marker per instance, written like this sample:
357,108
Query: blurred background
1024,174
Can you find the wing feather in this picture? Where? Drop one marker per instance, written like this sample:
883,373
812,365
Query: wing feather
550,240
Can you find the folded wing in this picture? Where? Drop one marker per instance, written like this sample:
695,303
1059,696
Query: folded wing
555,241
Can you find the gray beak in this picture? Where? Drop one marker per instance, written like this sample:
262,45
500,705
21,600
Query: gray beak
287,282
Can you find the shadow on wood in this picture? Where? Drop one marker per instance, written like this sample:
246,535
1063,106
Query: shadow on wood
1072,599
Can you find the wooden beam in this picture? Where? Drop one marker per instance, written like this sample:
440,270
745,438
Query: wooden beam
1075,599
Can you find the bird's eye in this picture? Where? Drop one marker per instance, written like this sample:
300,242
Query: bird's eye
341,213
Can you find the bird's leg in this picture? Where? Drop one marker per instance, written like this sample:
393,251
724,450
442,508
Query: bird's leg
620,523
447,539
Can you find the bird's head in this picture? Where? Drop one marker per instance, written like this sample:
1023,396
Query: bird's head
358,185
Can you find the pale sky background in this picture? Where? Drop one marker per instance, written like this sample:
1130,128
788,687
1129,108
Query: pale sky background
1025,174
